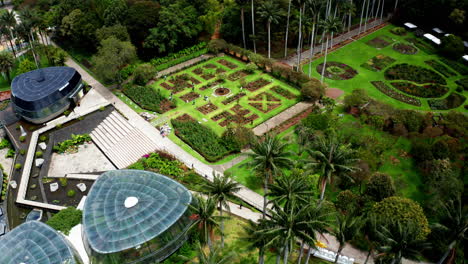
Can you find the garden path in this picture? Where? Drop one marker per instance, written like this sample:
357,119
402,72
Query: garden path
305,55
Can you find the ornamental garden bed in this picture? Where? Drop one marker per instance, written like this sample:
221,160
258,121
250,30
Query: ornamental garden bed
210,85
283,92
239,110
208,108
463,84
148,98
405,49
426,47
337,71
209,66
381,86
264,107
454,100
440,68
424,90
233,98
264,97
189,97
380,42
458,67
378,63
255,85
237,75
228,64
413,73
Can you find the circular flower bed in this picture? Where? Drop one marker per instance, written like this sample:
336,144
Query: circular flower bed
405,49
222,91
337,71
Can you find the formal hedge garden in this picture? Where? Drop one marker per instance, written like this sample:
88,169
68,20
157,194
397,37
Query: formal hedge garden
413,73
148,98
337,71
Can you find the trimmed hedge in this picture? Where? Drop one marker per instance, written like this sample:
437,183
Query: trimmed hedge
148,98
65,220
201,138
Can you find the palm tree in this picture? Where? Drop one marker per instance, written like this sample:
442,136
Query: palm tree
287,30
221,189
215,256
253,27
205,222
271,13
330,25
369,228
398,242
242,4
289,190
255,239
6,63
8,19
269,156
301,4
331,157
347,227
453,225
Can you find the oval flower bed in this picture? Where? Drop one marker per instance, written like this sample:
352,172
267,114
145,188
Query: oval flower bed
337,71
425,91
405,49
413,73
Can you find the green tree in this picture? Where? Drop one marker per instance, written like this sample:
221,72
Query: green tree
222,188
205,221
174,31
111,57
270,12
143,74
269,157
25,66
117,30
357,98
8,20
115,12
346,228
241,4
312,90
380,186
404,211
214,256
7,62
65,219
141,16
80,26
257,239
329,26
289,191
398,241
331,158
452,46
457,16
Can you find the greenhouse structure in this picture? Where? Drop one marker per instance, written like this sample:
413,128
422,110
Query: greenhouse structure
133,216
41,95
36,243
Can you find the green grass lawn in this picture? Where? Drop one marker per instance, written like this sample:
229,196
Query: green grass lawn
358,52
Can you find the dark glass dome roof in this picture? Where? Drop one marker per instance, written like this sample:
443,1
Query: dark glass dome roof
35,243
40,88
126,208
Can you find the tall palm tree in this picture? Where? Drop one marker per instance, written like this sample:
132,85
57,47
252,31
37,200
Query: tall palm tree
289,190
8,20
242,4
301,4
6,63
221,189
331,158
369,228
330,25
270,12
253,27
287,30
453,225
269,157
205,222
398,242
24,31
346,228
214,256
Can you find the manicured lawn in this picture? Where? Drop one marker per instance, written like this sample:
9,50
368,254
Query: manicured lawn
358,53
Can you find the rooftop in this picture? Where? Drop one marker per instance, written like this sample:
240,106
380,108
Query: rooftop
126,208
33,243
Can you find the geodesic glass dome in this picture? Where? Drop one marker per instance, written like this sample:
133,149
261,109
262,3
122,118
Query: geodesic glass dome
133,216
36,243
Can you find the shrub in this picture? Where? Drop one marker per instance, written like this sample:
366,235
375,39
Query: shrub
251,68
312,90
65,220
217,45
58,126
347,201
316,121
22,151
18,166
10,153
43,138
22,138
38,154
179,57
143,74
405,211
452,46
380,186
238,137
76,140
63,182
67,112
399,31
71,193
357,98
5,143
148,98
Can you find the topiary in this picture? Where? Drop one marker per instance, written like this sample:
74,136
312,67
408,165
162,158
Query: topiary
405,211
71,193
18,166
380,186
38,154
22,138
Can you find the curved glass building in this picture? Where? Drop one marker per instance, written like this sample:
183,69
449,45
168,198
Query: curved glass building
133,216
41,95
36,243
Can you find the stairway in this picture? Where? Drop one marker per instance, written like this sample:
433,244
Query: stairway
122,143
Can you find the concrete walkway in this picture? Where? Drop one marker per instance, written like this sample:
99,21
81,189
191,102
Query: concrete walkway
305,55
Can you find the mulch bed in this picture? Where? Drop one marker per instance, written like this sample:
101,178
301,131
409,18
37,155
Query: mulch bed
261,96
237,75
222,91
210,85
259,106
208,108
209,66
380,42
166,105
405,49
283,92
239,110
220,116
228,64
189,97
255,85
337,71
233,98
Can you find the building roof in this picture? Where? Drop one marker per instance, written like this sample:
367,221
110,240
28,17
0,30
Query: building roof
42,87
35,243
410,25
126,208
432,38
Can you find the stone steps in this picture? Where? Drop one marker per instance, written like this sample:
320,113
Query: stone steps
122,143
